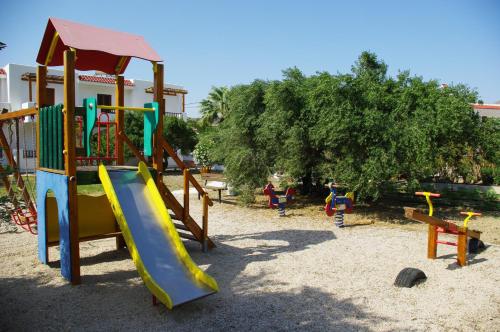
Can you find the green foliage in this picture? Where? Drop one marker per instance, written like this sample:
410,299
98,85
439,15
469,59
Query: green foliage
244,155
215,107
490,175
364,129
178,132
203,152
246,194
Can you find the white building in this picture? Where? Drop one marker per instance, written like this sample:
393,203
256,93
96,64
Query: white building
17,91
488,110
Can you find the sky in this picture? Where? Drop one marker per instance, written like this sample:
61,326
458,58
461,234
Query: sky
224,43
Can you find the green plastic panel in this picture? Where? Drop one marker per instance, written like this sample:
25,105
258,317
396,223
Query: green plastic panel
51,137
150,124
90,105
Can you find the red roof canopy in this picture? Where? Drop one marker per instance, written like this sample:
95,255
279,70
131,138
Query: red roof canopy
96,48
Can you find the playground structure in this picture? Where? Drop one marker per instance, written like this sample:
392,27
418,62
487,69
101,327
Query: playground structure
436,226
135,209
337,205
279,202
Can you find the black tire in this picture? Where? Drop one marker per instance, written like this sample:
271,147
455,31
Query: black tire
409,277
475,246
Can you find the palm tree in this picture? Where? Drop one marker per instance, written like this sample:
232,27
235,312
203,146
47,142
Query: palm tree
214,108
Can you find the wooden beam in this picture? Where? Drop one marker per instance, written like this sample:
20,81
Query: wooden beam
30,90
132,147
119,118
172,203
186,195
18,154
70,161
120,127
18,114
204,227
432,237
41,93
462,249
168,91
158,97
414,214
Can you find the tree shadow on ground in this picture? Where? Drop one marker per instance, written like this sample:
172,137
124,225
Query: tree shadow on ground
33,303
244,302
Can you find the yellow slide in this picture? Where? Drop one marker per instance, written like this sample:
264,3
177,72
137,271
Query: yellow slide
154,244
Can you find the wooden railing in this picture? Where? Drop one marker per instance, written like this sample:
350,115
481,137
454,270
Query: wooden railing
189,179
180,211
132,147
19,179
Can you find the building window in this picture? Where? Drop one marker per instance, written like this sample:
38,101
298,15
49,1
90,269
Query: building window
29,154
51,96
103,99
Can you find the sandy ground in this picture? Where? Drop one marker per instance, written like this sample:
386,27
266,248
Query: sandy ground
293,273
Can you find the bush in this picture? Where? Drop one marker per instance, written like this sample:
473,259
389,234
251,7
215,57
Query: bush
490,176
203,152
246,195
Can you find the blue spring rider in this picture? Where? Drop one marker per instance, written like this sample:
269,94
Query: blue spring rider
279,202
338,205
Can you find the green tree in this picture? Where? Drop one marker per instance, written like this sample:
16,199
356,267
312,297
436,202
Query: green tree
177,132
364,129
243,154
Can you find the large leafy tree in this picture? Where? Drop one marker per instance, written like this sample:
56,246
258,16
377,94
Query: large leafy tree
215,107
238,145
364,129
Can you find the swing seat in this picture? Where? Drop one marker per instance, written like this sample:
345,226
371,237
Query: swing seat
26,219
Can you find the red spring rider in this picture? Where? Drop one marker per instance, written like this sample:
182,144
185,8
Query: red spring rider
338,205
279,202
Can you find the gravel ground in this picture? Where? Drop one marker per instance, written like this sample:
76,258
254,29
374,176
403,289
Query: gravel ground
291,273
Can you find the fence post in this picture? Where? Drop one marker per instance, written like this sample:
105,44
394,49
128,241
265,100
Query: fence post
205,223
186,195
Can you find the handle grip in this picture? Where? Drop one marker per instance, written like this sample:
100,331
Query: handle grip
422,193
470,213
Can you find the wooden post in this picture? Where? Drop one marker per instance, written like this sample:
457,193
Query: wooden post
158,97
186,195
30,91
432,242
205,223
119,118
120,128
18,155
41,86
462,248
70,161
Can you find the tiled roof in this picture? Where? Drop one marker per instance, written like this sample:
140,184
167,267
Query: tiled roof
102,79
486,106
2,71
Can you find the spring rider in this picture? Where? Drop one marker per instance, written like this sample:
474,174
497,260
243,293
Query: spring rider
338,205
279,202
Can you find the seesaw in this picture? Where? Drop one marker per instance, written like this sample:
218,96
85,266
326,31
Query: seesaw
437,226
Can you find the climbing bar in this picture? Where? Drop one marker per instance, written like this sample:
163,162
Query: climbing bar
126,108
422,193
470,213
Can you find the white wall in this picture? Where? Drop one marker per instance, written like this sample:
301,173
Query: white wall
14,92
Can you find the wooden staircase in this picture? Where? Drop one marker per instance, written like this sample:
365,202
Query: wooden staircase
187,227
